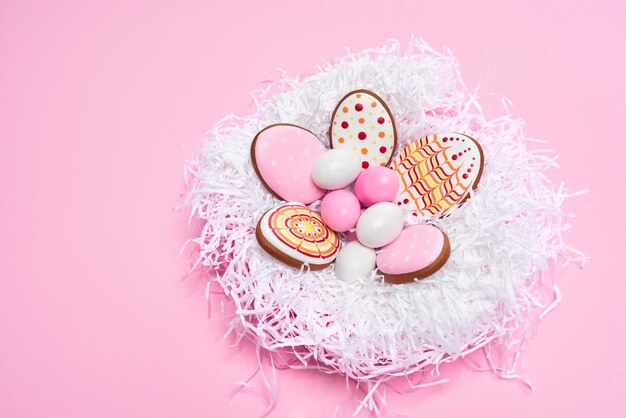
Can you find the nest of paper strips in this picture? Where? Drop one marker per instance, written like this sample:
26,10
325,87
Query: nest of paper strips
502,239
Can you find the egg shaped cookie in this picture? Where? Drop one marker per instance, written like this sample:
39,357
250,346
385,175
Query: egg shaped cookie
283,156
363,123
296,235
437,173
418,252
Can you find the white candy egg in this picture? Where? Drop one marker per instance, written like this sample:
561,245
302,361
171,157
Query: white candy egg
336,168
354,261
380,224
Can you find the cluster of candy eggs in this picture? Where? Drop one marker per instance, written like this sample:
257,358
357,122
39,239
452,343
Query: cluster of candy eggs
429,177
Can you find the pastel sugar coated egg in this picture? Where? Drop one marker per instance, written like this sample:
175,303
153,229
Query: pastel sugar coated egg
376,184
283,157
340,210
379,224
335,169
351,235
354,261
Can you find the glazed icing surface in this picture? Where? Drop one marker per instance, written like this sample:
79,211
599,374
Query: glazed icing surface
362,124
300,233
416,247
284,157
436,173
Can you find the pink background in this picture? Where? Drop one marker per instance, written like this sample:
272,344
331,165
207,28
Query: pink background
102,103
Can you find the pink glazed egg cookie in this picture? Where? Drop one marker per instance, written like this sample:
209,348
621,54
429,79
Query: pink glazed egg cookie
363,124
418,252
283,156
437,172
296,235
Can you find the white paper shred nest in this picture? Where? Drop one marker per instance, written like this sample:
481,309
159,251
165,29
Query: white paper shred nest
502,239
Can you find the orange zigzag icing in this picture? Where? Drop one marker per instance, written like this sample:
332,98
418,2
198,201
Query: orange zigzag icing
437,172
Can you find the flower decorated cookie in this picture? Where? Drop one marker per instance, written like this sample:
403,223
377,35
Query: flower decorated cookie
295,235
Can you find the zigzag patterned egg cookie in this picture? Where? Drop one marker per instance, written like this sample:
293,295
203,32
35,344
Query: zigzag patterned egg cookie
363,123
437,173
296,235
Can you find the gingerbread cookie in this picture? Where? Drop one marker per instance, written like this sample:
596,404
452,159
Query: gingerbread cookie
363,123
418,252
296,235
283,156
437,173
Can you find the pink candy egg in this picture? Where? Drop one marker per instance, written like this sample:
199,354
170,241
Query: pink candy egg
351,235
340,210
376,184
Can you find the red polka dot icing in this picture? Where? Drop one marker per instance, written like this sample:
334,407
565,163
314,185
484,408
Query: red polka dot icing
363,120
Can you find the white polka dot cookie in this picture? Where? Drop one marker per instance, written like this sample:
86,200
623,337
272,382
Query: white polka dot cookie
418,252
283,156
363,123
